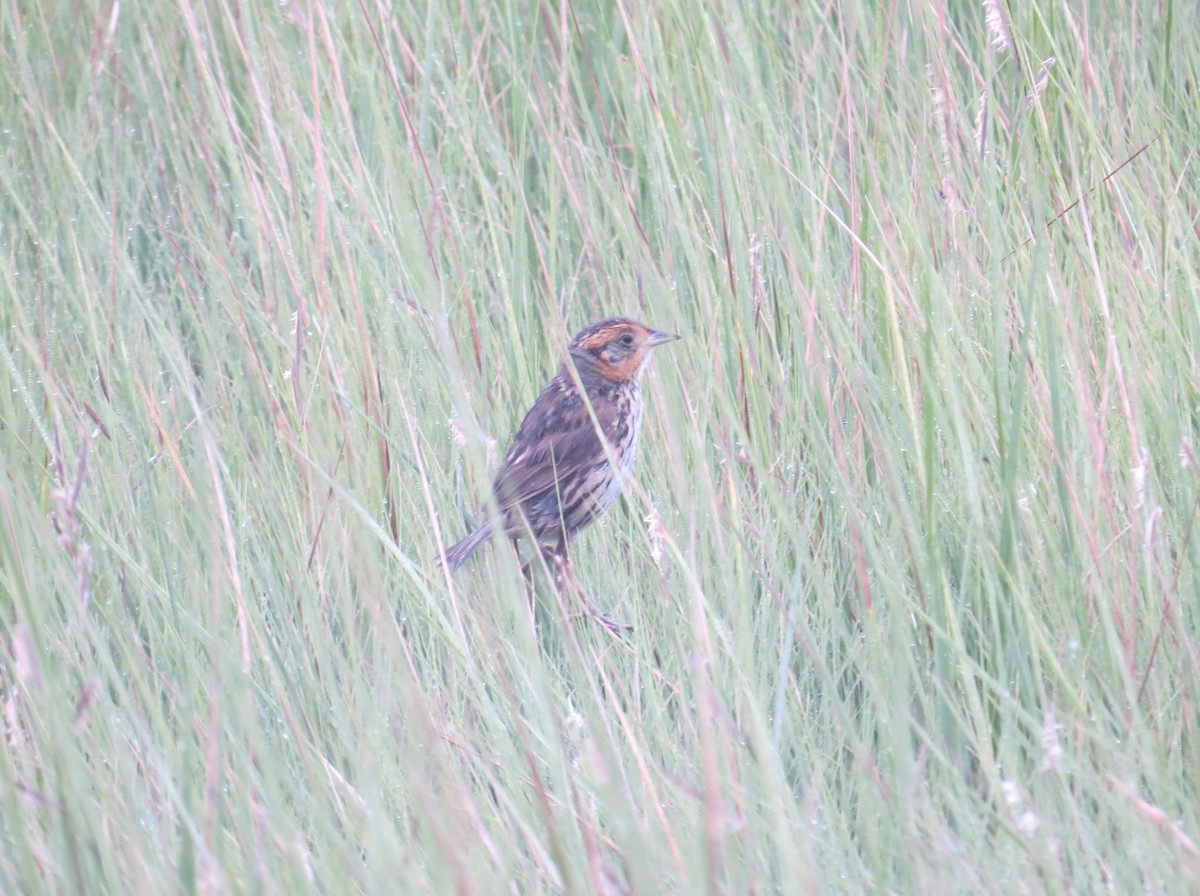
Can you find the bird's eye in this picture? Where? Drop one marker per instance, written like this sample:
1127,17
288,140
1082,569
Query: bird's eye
627,339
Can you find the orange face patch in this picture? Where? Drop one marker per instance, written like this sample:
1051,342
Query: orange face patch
626,366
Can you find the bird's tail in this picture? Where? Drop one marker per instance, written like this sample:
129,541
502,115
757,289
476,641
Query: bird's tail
457,554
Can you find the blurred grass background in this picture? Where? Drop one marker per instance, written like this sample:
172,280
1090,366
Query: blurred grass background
911,557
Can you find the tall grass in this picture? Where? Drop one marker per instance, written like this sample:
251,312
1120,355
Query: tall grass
911,556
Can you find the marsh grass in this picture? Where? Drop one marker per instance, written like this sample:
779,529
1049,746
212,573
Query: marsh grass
910,558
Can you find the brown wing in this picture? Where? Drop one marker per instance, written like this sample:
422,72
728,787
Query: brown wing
556,438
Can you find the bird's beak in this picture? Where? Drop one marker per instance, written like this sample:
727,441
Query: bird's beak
658,337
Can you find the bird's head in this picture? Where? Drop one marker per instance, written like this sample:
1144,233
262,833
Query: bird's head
617,348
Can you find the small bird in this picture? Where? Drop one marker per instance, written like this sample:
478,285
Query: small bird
564,467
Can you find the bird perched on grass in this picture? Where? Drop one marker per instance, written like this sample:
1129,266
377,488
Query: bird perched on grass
576,446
